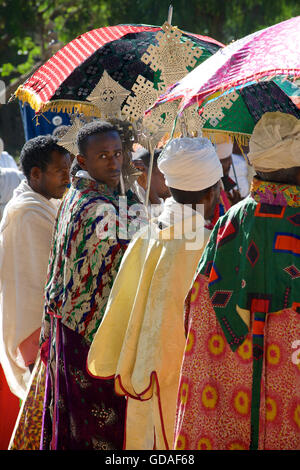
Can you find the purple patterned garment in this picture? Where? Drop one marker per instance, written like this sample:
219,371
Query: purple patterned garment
88,413
80,411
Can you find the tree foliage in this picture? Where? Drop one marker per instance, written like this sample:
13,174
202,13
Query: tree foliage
31,29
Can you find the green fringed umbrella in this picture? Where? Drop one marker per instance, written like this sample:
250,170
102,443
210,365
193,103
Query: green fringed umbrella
236,113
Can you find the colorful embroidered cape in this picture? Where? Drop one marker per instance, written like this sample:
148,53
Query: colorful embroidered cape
83,266
81,412
243,320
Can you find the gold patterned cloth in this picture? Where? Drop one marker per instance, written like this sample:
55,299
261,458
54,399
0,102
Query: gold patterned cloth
28,427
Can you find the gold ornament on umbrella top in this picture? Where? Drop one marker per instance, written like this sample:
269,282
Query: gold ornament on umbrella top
108,96
173,58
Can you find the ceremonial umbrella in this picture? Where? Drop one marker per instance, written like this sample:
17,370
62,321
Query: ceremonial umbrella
261,56
65,81
235,114
115,72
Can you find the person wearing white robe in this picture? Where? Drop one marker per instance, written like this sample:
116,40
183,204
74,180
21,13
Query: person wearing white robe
25,238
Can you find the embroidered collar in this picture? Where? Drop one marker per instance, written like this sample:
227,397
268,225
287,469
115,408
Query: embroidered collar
277,194
84,184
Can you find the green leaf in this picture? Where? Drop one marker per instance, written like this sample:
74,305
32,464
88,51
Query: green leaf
7,69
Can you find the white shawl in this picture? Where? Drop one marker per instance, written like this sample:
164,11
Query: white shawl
25,239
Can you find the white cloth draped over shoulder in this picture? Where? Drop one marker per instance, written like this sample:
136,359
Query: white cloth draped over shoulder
25,239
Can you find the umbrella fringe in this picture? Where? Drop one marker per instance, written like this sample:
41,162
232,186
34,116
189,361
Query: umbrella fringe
58,106
72,107
215,135
27,96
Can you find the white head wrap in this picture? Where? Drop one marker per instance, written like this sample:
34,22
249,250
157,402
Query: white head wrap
224,150
138,153
275,142
190,164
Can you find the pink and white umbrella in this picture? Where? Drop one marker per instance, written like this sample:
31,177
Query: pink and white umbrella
271,52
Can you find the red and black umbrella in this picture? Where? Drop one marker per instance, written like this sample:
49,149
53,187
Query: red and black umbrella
65,81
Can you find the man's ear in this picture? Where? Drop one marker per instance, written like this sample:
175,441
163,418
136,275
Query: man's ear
35,173
81,161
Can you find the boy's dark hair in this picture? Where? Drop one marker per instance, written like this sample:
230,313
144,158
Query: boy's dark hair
92,128
36,152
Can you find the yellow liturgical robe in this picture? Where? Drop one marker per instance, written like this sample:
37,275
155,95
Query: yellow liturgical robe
141,339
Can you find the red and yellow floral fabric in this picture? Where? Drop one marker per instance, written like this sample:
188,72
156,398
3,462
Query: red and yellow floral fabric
214,400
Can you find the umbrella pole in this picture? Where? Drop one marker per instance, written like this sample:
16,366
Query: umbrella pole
151,150
236,180
183,126
122,185
170,14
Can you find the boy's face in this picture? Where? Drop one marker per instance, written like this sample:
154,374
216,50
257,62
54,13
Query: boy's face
52,182
103,158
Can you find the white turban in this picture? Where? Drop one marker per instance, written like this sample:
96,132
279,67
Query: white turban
224,150
190,164
275,142
138,153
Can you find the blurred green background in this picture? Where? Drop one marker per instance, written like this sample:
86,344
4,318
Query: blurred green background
31,31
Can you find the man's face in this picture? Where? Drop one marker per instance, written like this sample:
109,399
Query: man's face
158,184
54,180
103,158
142,179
